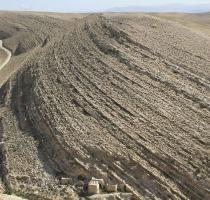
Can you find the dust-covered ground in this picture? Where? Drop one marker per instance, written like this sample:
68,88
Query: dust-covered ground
198,22
123,97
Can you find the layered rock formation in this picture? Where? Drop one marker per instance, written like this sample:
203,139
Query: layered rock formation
120,98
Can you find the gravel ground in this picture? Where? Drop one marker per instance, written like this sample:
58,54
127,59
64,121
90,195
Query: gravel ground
121,97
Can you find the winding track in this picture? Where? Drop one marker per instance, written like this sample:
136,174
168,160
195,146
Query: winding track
9,54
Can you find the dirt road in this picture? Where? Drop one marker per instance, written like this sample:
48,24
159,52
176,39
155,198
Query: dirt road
8,53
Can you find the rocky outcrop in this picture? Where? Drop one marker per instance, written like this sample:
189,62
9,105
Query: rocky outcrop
122,99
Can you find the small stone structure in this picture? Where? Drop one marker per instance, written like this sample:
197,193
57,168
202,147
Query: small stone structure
100,181
65,181
111,187
93,187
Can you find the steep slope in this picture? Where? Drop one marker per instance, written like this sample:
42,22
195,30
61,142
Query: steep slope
122,98
19,149
22,34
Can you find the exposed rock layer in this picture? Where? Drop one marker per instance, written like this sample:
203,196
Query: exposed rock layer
122,98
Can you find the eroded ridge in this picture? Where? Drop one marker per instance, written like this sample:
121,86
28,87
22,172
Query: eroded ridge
119,98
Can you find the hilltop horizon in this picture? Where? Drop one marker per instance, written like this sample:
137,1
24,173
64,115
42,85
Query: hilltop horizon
108,6
193,8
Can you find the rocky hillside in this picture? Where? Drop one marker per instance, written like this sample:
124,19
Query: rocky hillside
122,98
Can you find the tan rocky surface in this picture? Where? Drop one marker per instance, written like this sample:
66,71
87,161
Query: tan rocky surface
5,56
9,197
123,98
199,22
2,56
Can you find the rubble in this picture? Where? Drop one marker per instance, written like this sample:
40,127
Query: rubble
93,187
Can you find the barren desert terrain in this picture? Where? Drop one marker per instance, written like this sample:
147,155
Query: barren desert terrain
121,97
